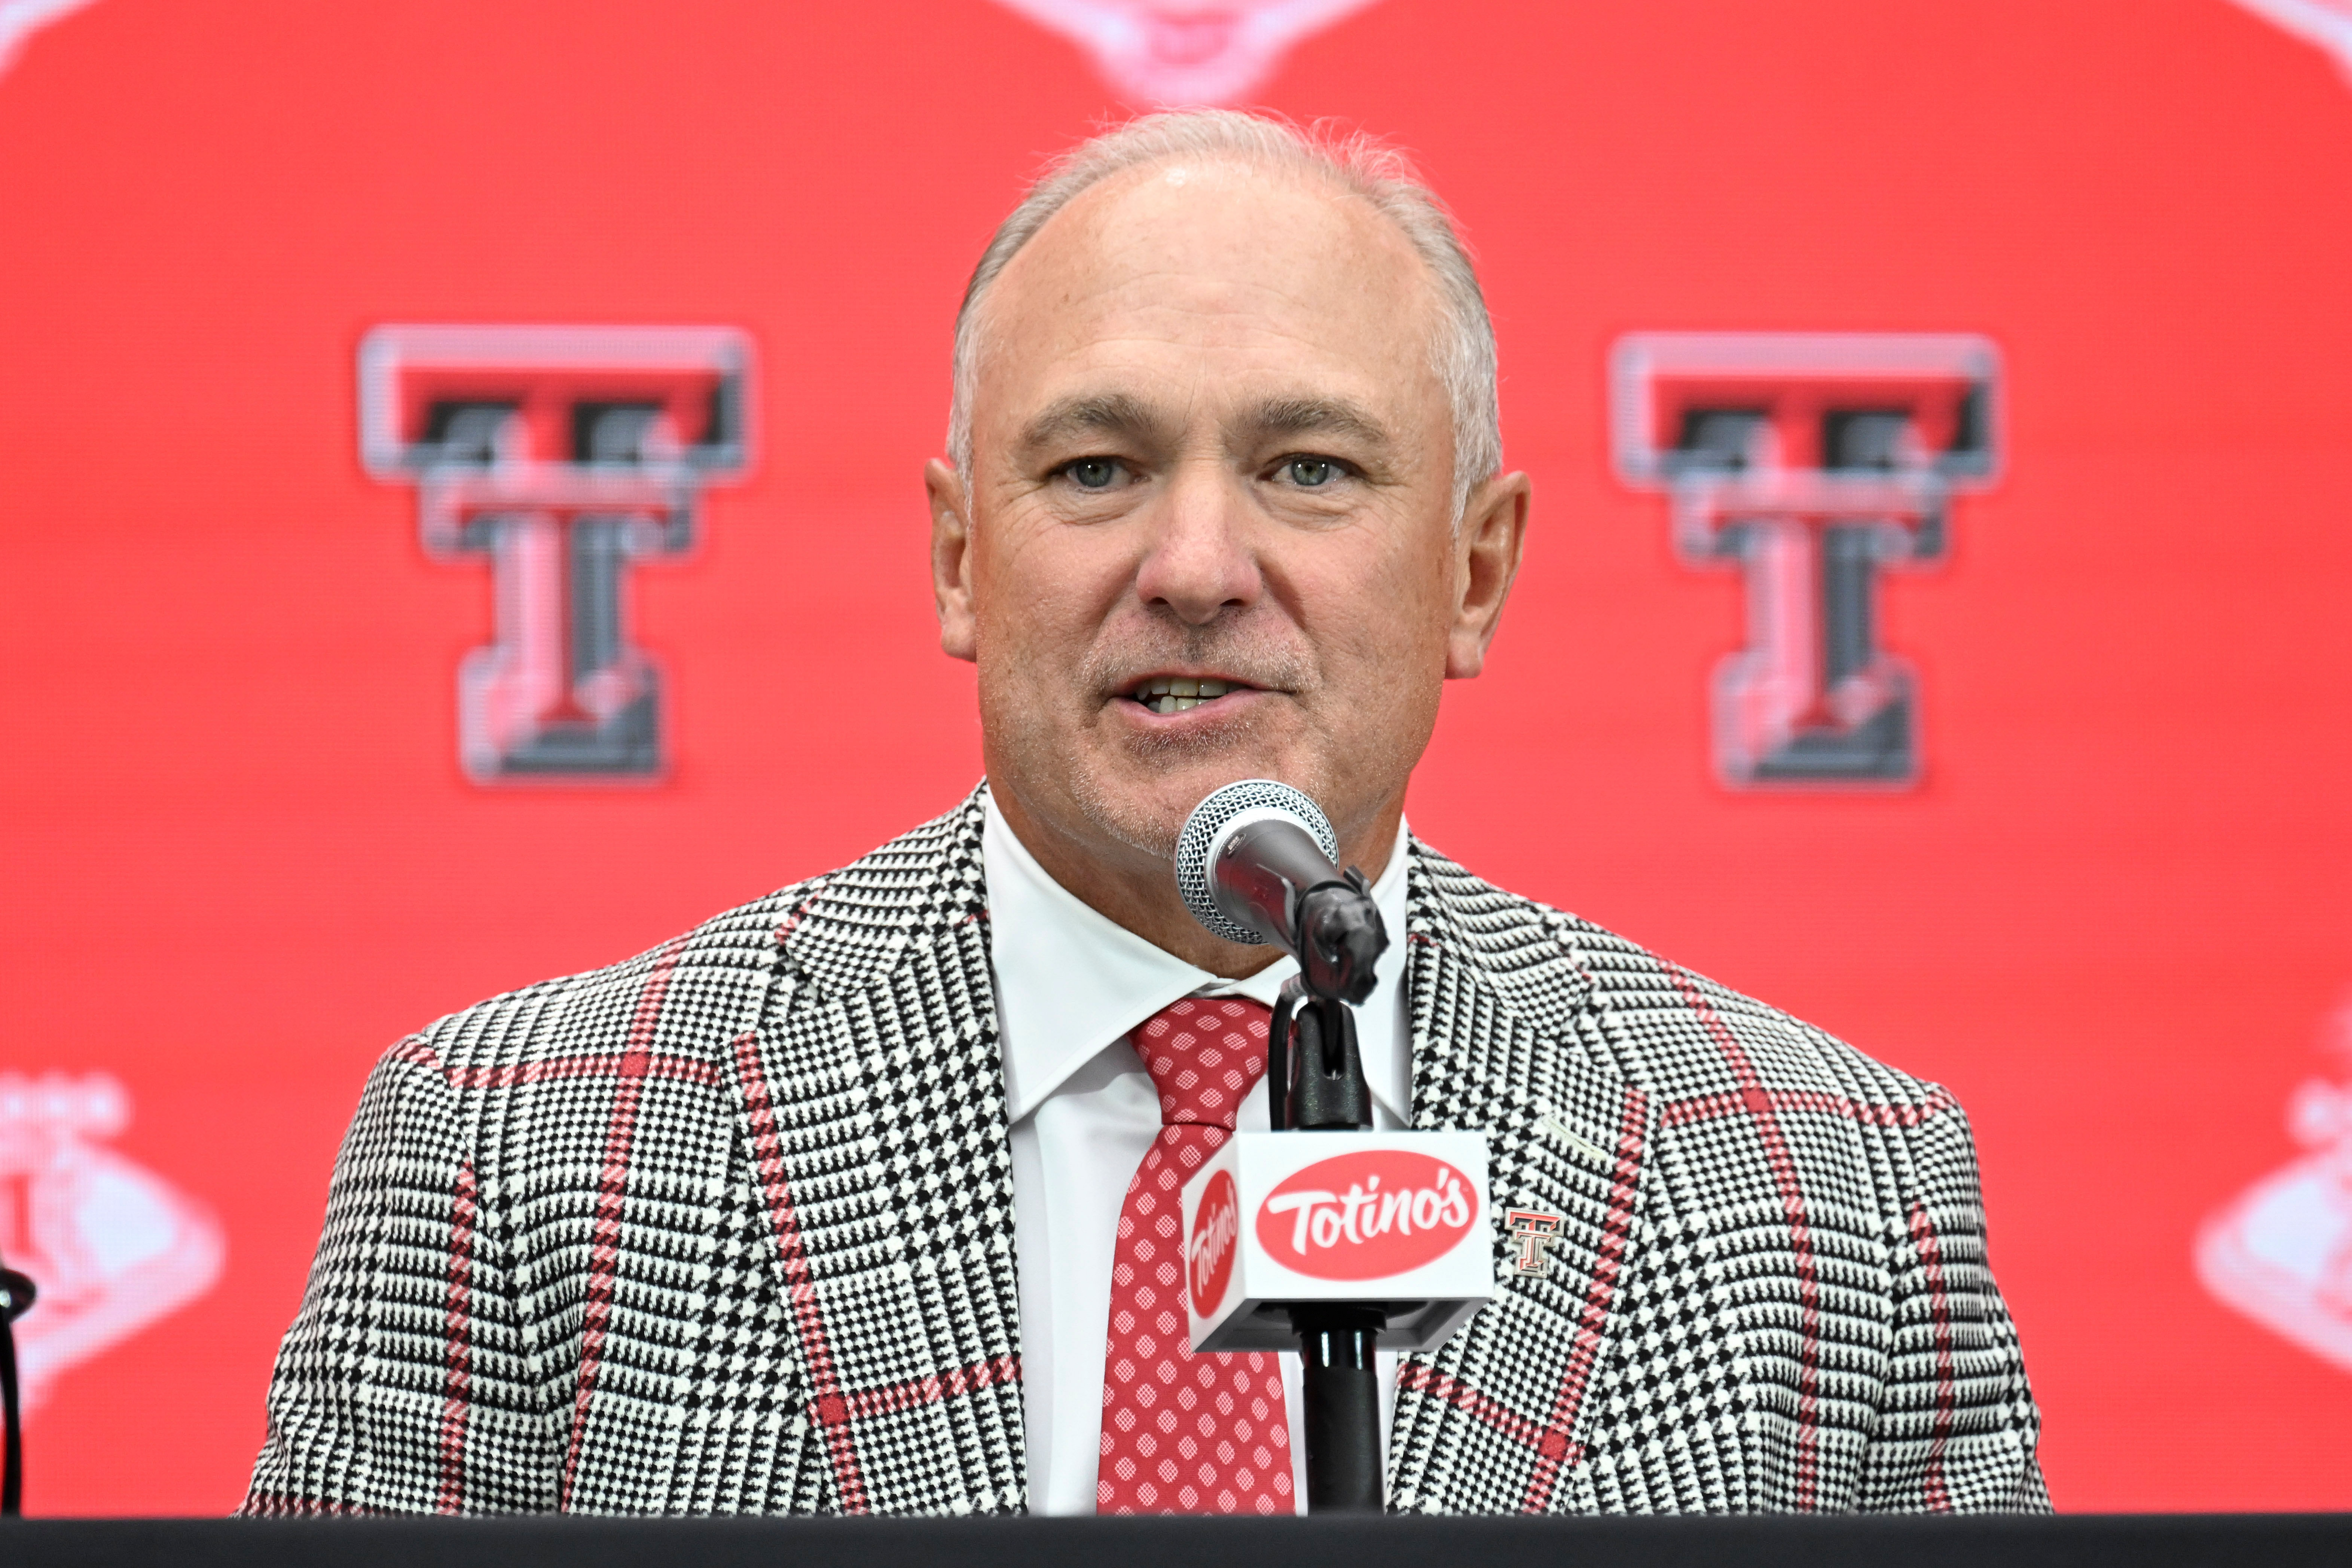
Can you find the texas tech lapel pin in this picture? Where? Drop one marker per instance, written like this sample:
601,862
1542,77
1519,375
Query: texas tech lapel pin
1536,1231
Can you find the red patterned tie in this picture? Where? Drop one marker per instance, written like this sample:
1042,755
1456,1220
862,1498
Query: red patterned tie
1184,1433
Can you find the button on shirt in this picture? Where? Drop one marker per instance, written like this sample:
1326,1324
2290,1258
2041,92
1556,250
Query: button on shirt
1070,986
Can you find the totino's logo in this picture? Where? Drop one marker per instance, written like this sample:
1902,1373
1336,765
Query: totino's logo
1216,1225
1367,1215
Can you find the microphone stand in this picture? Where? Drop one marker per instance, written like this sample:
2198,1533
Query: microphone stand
15,1294
1315,1082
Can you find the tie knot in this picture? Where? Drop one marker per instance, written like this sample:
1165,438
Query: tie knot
1203,1054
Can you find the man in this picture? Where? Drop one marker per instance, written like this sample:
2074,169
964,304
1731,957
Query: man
845,1201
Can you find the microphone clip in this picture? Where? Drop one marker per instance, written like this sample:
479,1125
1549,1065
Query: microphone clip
1340,938
1314,1072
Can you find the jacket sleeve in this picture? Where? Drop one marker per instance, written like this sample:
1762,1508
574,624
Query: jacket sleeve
1957,1428
387,1396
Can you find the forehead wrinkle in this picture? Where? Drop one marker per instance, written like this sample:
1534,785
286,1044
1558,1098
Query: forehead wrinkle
1100,276
1126,252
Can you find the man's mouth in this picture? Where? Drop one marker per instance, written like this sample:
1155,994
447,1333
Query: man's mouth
1180,694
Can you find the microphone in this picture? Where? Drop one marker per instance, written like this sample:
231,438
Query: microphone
1267,1217
1255,865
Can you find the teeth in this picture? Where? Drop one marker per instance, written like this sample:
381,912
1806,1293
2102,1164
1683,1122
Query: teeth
1179,694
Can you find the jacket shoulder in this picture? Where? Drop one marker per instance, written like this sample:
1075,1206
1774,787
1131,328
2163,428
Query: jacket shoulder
712,972
694,994
1664,1028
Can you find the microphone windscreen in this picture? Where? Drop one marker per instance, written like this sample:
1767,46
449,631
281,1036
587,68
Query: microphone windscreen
1220,813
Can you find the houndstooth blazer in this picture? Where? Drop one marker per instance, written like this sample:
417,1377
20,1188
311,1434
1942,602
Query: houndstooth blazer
728,1228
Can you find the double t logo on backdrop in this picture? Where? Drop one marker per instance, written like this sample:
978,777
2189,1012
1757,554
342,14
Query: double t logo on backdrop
563,454
1811,459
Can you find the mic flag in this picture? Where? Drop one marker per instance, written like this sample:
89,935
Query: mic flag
1276,1220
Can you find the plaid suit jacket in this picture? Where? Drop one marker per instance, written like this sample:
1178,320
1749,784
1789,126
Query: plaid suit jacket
728,1228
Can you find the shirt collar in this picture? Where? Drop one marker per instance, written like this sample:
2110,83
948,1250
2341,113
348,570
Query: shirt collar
1070,981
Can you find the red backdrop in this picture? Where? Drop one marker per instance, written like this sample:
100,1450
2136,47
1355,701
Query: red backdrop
2114,916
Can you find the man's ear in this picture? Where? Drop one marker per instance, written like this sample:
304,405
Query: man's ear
952,559
1486,553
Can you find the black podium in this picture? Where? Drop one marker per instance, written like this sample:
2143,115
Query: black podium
2196,1540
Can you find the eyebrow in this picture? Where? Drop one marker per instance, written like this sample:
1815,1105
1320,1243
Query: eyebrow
1124,414
1103,413
1317,416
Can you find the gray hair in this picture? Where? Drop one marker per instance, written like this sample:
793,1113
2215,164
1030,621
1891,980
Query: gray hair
1463,354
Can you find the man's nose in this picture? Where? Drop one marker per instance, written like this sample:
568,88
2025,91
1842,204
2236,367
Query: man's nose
1200,562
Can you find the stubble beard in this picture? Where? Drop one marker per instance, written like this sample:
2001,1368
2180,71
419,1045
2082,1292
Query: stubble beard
1136,818
1149,825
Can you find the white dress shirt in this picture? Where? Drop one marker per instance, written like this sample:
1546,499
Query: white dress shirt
1070,986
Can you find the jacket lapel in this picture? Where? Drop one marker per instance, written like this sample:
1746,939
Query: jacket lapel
1507,1040
872,1101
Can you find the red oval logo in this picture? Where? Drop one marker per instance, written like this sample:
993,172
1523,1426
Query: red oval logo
1216,1227
1367,1215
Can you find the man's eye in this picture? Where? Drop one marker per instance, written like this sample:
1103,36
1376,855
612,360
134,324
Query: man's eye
1093,473
1311,473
